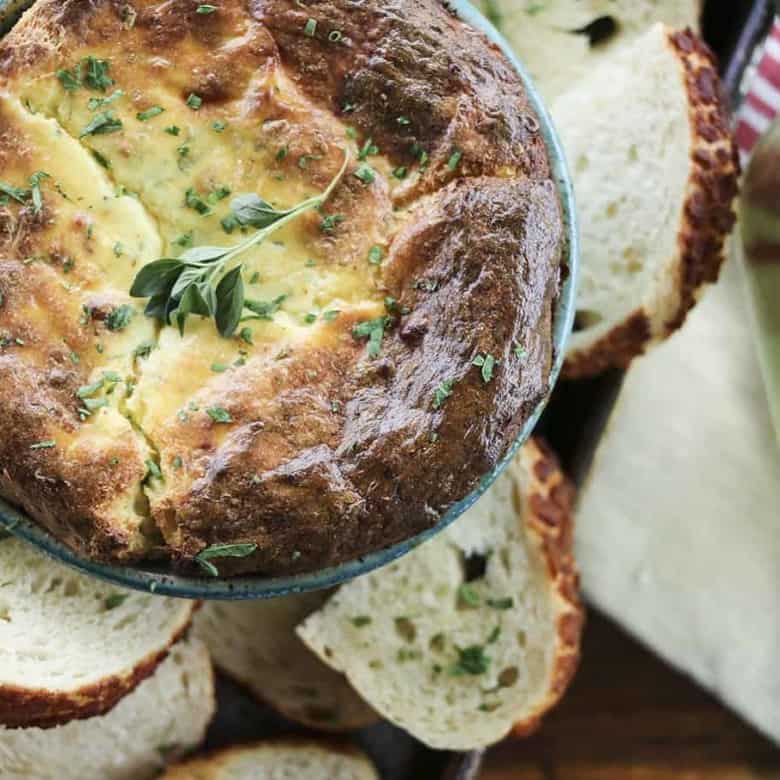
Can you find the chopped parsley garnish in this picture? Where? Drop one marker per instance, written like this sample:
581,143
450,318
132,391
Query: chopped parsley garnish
70,81
218,194
35,190
194,101
205,9
331,315
104,123
115,600
365,173
369,149
494,635
219,368
150,113
374,331
375,255
19,194
468,596
443,392
152,470
96,75
310,318
185,239
193,200
43,445
93,104
310,28
471,660
520,351
90,72
330,222
455,159
246,335
173,130
361,621
204,557
218,127
488,365
403,121
401,172
282,153
350,132
177,462
265,310
503,604
119,317
334,36
219,415
303,161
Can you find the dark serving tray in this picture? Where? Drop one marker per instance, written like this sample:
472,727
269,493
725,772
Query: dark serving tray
572,424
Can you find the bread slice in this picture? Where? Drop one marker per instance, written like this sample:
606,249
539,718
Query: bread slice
476,633
655,174
279,761
164,718
71,646
255,643
559,41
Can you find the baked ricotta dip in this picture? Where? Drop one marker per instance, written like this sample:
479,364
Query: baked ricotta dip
277,277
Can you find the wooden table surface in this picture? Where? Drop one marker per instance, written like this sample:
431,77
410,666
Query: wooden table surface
629,716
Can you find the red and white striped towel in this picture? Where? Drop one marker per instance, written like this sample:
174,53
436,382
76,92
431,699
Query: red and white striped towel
762,101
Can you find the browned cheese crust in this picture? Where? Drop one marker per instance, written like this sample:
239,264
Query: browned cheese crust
27,708
329,453
547,509
707,219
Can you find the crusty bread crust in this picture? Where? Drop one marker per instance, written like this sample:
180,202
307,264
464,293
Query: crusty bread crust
549,519
207,766
706,221
25,707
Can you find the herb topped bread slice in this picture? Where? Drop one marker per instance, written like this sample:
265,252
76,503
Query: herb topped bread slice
279,761
559,41
255,643
246,297
72,646
160,721
655,172
476,633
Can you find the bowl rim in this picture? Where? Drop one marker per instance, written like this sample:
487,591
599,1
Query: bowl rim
157,579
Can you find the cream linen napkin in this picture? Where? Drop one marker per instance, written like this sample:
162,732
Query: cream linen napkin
679,520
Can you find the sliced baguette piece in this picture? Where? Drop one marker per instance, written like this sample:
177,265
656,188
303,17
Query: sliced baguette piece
460,664
255,643
163,719
561,40
71,646
286,760
655,173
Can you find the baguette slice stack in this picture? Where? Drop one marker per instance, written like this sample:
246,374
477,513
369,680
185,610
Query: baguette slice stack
255,643
278,761
71,646
475,634
164,718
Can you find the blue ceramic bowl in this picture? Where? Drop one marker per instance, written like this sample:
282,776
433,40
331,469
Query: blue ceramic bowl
159,578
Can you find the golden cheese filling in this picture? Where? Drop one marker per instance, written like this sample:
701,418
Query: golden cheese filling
133,133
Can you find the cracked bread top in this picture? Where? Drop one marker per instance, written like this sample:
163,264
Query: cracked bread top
125,130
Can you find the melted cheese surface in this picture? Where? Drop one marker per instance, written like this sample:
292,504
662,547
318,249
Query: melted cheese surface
119,200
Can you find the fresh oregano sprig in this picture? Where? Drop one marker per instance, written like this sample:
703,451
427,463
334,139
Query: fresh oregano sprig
201,280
